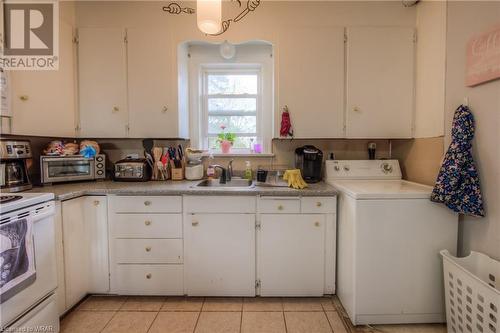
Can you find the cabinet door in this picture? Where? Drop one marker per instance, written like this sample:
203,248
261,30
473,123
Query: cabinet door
150,64
102,82
97,234
43,102
311,80
85,246
291,254
76,260
220,254
380,82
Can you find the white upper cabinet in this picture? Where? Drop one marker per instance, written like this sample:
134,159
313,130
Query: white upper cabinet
150,64
102,82
380,82
311,80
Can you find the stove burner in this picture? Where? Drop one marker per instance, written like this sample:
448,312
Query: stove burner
9,198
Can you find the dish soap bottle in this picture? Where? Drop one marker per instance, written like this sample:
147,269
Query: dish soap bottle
248,170
211,169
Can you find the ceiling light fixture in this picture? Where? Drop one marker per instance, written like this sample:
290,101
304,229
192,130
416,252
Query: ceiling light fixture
209,16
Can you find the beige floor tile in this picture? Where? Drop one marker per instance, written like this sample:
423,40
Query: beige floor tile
85,321
327,303
307,322
219,322
416,328
130,322
336,322
263,322
302,304
143,303
103,303
183,304
262,304
223,304
174,322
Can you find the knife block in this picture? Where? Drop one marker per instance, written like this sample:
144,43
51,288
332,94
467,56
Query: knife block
177,173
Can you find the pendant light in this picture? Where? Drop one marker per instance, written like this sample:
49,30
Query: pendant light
209,16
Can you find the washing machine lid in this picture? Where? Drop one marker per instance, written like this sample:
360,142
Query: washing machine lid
382,189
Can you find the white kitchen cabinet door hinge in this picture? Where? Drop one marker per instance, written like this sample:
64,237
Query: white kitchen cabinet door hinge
257,283
257,225
345,37
125,39
76,40
415,38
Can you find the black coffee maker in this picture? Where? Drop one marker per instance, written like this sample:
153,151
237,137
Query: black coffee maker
309,160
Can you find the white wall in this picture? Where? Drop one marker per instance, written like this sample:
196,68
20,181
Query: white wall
430,69
464,20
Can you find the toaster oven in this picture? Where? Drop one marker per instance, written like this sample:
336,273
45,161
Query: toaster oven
55,169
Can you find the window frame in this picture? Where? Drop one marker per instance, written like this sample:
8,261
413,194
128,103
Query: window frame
233,69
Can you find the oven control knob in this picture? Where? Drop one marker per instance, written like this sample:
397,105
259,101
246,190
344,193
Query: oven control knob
346,168
20,152
386,168
99,158
337,168
99,165
100,172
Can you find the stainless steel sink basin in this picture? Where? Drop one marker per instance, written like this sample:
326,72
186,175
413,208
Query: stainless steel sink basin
234,183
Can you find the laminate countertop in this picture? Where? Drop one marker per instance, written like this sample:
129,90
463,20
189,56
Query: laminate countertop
74,190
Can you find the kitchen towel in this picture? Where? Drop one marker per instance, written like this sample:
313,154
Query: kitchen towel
457,184
17,259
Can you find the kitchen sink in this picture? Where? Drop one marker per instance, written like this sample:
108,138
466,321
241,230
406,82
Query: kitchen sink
234,183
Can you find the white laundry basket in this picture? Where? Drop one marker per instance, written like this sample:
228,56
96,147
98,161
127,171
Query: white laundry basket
472,290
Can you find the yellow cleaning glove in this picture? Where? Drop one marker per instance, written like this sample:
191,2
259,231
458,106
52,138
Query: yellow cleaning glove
294,179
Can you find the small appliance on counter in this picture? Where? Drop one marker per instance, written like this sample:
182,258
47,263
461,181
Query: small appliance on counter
194,166
14,159
56,169
132,170
309,160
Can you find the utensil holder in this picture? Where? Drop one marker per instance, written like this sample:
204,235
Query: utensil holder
177,173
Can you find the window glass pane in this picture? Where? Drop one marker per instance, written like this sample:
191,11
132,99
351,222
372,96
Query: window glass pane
232,84
232,104
233,124
239,143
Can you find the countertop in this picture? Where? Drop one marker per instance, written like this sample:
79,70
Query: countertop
74,190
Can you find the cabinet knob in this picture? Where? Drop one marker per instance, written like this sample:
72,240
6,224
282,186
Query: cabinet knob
115,109
280,207
316,224
164,109
148,276
148,248
356,109
195,223
147,222
96,202
24,98
318,204
147,203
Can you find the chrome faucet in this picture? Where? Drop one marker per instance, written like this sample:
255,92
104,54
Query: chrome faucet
230,170
223,173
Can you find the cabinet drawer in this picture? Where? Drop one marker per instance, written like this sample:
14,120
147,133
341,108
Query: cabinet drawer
319,205
146,204
147,225
148,280
220,204
142,251
279,205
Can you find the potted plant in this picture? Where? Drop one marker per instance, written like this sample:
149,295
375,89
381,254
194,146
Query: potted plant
225,140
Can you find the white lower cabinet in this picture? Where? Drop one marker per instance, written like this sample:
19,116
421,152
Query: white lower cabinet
85,247
292,254
146,245
220,254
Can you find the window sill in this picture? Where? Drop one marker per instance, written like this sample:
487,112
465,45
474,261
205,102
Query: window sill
262,155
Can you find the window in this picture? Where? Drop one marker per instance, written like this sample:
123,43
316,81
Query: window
231,101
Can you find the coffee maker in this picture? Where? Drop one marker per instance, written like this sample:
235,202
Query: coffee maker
14,158
309,160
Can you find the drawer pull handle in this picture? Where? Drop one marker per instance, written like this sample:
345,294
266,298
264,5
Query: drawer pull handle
147,203
96,202
148,248
280,207
195,223
318,204
148,276
147,222
316,224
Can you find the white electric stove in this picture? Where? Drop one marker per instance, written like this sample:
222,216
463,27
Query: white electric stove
389,238
28,276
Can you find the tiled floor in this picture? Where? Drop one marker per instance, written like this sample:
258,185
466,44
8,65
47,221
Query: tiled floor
114,314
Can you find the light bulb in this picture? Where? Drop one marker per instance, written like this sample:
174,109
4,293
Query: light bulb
209,16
